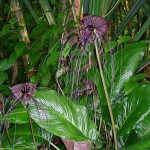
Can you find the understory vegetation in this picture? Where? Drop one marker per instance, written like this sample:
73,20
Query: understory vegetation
74,74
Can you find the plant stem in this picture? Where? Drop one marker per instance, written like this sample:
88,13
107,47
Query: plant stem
107,97
7,134
32,132
54,146
60,87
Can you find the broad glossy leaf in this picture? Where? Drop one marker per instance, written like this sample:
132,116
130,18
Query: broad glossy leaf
60,116
143,127
132,109
129,86
125,63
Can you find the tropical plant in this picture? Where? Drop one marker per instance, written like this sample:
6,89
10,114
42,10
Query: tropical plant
88,75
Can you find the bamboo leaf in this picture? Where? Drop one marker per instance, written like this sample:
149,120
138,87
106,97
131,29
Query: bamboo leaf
135,8
30,8
142,30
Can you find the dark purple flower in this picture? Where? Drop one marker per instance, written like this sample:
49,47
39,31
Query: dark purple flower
92,25
23,91
71,36
90,87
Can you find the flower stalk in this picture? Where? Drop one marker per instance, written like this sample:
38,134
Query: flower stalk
107,96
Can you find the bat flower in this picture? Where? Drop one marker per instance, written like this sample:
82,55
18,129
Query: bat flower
92,25
90,87
72,36
23,91
85,37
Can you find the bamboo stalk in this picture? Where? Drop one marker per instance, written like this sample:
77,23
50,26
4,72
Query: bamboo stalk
15,8
47,11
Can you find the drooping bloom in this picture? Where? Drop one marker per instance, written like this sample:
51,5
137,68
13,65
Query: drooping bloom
88,88
92,25
23,92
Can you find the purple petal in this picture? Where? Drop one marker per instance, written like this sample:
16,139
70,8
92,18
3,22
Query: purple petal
92,24
16,90
26,99
23,91
30,88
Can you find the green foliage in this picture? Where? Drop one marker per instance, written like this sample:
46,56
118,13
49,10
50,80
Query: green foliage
83,116
72,121
23,137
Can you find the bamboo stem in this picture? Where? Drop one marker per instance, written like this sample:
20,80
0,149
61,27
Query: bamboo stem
107,96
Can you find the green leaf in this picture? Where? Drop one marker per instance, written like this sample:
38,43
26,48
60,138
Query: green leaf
140,76
62,117
125,64
22,137
34,57
53,58
129,86
135,8
109,46
38,30
143,127
143,64
6,28
124,39
132,109
34,78
47,34
66,50
3,76
141,144
142,30
6,64
5,89
19,116
46,78
20,48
